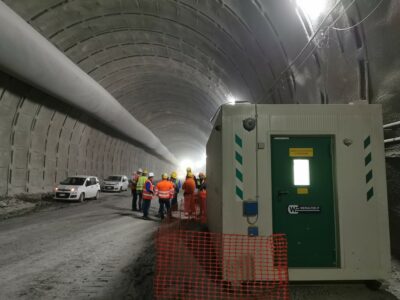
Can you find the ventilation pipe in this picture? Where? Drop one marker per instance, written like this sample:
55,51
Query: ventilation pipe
28,56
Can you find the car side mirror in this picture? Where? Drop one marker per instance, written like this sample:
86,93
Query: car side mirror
87,183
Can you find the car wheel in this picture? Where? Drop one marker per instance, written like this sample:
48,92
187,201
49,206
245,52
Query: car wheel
82,197
97,195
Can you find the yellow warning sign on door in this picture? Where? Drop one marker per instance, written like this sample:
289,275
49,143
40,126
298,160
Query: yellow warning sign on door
301,152
302,191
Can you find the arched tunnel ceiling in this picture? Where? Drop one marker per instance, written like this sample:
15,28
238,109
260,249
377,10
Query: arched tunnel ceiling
172,63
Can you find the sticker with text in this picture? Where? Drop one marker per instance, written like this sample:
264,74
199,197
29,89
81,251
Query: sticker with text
295,209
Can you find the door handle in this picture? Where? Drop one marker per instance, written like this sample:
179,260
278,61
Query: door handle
282,193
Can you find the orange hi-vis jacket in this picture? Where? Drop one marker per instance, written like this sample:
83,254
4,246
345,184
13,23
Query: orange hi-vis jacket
148,192
165,189
189,186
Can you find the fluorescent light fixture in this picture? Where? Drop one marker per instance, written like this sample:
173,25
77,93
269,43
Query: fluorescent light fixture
312,8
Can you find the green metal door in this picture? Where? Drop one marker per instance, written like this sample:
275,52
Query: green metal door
303,199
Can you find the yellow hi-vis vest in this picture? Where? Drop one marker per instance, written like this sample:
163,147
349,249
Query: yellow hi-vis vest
140,183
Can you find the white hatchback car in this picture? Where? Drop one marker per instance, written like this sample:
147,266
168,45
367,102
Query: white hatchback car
78,188
115,183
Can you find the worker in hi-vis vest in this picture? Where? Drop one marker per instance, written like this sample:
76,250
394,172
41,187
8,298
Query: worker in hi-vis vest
177,187
147,195
189,187
139,187
132,185
165,191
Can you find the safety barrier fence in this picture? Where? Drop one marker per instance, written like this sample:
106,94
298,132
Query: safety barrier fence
191,264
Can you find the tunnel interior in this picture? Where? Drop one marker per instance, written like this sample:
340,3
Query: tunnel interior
173,63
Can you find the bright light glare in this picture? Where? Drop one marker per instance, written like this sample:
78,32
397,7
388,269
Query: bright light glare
313,8
231,99
197,165
301,172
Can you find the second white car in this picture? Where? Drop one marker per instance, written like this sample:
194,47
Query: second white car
115,183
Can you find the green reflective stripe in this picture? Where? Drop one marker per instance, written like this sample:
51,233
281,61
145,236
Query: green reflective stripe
368,159
239,192
238,149
370,193
368,177
367,142
238,158
368,168
239,175
238,141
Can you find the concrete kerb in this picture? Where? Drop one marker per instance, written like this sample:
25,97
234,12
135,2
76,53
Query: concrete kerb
17,205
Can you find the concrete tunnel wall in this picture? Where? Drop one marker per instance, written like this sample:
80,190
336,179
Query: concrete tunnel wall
43,141
172,63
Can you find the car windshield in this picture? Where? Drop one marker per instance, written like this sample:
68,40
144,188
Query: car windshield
74,181
114,178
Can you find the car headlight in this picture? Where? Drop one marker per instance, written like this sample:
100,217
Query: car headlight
73,190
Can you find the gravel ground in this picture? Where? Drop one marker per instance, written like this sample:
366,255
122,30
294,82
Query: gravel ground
73,251
102,250
23,204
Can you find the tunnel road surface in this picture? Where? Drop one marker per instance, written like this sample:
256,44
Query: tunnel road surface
91,251
72,251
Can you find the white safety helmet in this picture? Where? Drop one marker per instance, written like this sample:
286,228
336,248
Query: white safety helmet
140,170
151,174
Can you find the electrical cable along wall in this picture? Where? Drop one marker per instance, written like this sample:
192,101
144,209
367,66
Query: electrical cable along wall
43,141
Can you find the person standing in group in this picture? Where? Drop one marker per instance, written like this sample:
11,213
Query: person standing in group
189,187
203,198
139,188
132,185
147,196
165,191
189,171
200,180
177,187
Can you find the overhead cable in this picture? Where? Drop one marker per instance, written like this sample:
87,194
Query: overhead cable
365,18
297,57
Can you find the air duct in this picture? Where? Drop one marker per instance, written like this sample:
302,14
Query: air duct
28,56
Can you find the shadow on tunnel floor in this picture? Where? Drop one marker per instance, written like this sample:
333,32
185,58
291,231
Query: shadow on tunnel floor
138,280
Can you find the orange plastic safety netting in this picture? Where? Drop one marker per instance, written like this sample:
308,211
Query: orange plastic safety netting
202,265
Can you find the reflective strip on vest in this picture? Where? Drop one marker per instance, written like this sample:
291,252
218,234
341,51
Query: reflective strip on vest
148,195
164,194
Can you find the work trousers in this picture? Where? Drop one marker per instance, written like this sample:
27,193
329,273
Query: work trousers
139,199
164,207
134,197
174,203
189,204
203,206
145,207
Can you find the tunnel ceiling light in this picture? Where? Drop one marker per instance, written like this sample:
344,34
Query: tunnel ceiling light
312,8
231,99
